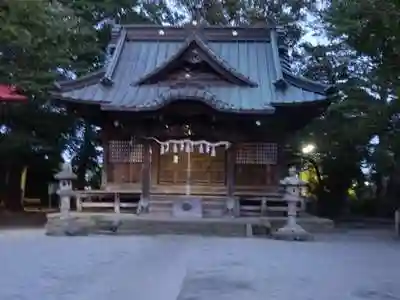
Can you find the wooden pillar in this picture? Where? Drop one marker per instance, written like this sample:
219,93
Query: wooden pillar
105,144
268,175
230,171
145,196
117,203
231,204
281,162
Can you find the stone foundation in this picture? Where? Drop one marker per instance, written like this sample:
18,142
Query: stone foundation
78,224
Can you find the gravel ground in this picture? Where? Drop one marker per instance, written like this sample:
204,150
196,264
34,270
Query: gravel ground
346,265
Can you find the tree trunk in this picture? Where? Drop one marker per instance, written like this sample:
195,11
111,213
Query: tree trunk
13,193
81,177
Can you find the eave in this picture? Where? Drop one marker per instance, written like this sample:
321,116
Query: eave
203,96
308,85
89,79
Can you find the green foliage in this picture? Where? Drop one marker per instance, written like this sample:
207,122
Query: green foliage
360,58
86,150
234,12
41,41
37,38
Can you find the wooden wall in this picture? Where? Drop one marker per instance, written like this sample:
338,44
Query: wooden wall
255,165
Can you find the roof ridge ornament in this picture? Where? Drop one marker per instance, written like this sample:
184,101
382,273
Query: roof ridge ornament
197,16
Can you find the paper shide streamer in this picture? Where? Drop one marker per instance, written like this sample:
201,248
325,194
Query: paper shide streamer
190,146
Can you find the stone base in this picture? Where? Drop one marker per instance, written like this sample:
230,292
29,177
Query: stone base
187,208
73,226
143,207
80,224
84,223
292,233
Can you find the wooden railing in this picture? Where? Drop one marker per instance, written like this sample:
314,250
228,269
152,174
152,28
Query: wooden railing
264,205
84,199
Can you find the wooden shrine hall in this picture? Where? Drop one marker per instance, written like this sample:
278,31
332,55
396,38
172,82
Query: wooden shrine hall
196,110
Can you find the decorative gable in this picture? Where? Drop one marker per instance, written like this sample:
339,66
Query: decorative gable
195,62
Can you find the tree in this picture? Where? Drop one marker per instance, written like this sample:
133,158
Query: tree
86,150
372,29
340,150
359,58
234,12
37,39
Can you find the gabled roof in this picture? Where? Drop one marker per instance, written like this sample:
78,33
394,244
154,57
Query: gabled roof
220,66
246,57
9,93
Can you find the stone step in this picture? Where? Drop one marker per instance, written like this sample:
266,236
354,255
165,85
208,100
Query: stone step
195,228
86,224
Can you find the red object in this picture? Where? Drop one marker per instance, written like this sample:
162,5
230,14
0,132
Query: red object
8,93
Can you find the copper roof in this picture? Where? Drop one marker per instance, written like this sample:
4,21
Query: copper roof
250,56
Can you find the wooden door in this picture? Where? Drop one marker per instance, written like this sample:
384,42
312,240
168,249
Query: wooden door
204,168
207,169
172,168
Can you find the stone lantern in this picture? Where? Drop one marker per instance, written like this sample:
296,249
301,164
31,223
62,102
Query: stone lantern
65,177
292,195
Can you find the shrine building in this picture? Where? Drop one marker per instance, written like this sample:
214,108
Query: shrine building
197,110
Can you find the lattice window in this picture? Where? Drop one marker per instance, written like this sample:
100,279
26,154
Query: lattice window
125,151
257,154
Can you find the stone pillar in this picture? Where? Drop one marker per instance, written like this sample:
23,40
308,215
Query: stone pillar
65,177
292,230
145,195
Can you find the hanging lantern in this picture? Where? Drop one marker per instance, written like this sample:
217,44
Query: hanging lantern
162,149
175,148
201,150
182,146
